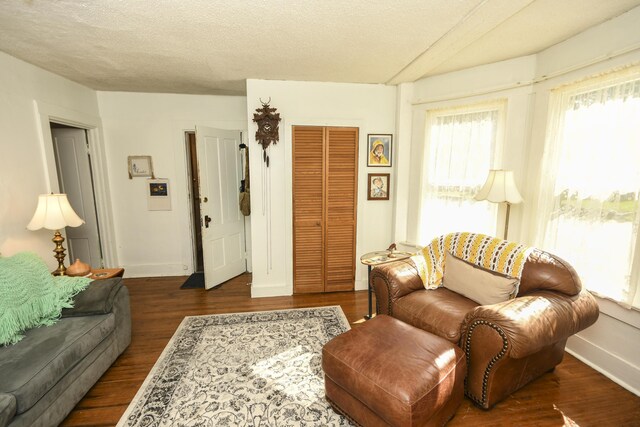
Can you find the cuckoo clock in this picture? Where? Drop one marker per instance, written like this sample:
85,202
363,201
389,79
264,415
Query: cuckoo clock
268,122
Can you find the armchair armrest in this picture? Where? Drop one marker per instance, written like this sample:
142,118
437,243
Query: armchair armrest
392,281
511,343
97,298
537,320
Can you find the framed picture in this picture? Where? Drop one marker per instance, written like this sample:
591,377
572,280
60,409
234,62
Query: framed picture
378,187
158,189
159,195
140,166
380,146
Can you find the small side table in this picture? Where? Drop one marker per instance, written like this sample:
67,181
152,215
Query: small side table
106,273
373,259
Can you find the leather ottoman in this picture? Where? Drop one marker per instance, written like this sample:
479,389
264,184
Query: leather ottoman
387,372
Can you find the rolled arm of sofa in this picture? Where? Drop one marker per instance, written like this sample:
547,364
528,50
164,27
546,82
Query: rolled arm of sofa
392,281
97,298
7,408
532,322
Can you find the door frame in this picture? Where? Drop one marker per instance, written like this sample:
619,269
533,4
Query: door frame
46,113
65,167
196,237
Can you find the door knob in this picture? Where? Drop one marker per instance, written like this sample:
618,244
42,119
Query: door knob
207,220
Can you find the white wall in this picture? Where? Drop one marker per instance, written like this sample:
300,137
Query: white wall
157,243
27,94
612,345
371,108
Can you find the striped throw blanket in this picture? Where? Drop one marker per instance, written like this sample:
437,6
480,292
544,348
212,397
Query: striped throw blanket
488,252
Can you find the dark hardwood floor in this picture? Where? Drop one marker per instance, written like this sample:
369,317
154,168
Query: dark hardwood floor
573,394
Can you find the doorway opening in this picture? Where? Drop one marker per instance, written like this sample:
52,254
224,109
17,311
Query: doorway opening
194,190
75,178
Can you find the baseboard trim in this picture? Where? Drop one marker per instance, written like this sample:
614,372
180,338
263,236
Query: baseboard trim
154,270
361,285
608,364
269,291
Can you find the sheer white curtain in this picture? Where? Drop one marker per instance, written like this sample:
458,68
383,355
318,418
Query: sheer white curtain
588,201
461,146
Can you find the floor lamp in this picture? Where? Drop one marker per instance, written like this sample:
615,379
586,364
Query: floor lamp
55,213
500,187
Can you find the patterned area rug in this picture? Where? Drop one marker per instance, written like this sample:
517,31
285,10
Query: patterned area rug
246,369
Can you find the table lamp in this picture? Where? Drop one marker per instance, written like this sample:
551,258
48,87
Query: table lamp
54,213
500,187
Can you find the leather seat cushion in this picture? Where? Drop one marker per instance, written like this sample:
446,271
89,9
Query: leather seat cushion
31,367
438,311
402,374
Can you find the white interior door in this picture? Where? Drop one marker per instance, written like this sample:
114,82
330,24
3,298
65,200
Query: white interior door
222,222
74,173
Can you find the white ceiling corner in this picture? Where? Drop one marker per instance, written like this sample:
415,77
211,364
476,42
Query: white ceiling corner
481,20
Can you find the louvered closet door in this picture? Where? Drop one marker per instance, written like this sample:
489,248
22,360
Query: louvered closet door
308,208
341,170
325,171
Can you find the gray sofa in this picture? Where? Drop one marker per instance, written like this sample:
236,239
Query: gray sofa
45,375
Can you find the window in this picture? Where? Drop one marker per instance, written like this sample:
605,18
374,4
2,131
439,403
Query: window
461,147
589,190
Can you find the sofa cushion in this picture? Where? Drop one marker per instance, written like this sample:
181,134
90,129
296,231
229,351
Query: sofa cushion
31,367
483,286
439,311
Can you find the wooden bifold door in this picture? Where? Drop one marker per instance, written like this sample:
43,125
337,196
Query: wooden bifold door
325,190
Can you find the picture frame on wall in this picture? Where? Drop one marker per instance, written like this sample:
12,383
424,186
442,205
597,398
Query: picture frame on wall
140,166
380,150
378,186
159,195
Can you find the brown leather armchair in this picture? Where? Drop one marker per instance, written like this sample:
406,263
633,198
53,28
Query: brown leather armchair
508,344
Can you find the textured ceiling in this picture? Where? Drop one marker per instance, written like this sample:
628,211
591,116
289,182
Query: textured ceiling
212,46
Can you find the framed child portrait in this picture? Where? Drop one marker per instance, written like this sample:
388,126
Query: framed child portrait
379,146
378,186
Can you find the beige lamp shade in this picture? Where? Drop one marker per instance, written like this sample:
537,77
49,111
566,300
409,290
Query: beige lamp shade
500,187
54,213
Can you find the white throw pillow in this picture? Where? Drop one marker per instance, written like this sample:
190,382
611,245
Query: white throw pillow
483,286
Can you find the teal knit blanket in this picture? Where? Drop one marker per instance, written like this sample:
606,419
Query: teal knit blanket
30,296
